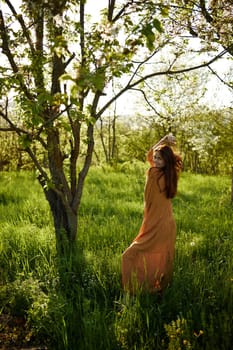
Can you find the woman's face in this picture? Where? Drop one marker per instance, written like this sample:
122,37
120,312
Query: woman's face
158,160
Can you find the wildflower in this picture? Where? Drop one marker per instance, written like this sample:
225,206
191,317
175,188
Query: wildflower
198,334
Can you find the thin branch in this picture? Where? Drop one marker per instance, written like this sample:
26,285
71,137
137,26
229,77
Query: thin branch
148,102
53,118
37,164
74,152
95,103
22,23
218,76
69,60
204,11
19,131
7,129
13,127
6,50
166,72
82,32
111,5
5,45
120,13
86,166
147,59
141,64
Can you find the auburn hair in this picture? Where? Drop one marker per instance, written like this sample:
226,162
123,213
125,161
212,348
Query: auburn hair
173,165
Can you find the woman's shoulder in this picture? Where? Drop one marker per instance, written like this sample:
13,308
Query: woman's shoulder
154,172
156,178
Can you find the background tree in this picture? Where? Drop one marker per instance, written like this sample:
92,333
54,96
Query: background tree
211,21
179,105
58,66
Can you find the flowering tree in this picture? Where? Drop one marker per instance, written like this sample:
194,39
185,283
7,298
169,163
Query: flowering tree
210,20
57,65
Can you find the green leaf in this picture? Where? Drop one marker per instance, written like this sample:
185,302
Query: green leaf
74,93
25,141
65,77
165,11
149,34
98,80
147,30
157,25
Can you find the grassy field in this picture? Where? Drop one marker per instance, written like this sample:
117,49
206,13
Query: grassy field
77,303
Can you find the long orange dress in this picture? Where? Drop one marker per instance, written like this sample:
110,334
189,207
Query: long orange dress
147,263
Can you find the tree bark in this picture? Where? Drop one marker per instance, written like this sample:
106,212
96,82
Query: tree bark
232,186
65,218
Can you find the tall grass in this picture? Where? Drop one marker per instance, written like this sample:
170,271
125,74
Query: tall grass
76,302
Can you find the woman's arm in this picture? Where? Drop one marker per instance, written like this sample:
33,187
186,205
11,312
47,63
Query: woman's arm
168,140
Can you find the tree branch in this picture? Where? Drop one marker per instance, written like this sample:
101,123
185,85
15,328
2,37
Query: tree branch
37,164
140,64
6,129
82,32
218,76
148,102
127,5
204,11
6,50
111,5
12,127
22,24
5,46
86,166
53,118
74,152
69,60
166,72
119,14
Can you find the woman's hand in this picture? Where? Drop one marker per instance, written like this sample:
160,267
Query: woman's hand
169,140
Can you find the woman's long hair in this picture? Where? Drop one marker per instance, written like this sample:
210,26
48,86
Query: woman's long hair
173,165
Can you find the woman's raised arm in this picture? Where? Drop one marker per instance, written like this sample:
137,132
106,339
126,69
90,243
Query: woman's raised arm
168,140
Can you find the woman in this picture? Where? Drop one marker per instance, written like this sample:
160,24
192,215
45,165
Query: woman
147,263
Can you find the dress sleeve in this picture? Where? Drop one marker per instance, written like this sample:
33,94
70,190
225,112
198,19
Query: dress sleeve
151,188
149,157
153,203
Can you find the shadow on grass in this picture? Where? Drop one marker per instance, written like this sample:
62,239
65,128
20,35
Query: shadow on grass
7,199
86,305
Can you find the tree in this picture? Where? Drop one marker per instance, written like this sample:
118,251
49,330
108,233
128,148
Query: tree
58,67
210,20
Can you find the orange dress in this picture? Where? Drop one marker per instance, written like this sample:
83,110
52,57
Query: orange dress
148,262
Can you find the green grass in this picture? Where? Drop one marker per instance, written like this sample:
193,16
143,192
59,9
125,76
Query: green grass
77,302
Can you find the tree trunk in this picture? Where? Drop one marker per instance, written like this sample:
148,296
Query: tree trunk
232,186
58,193
65,220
